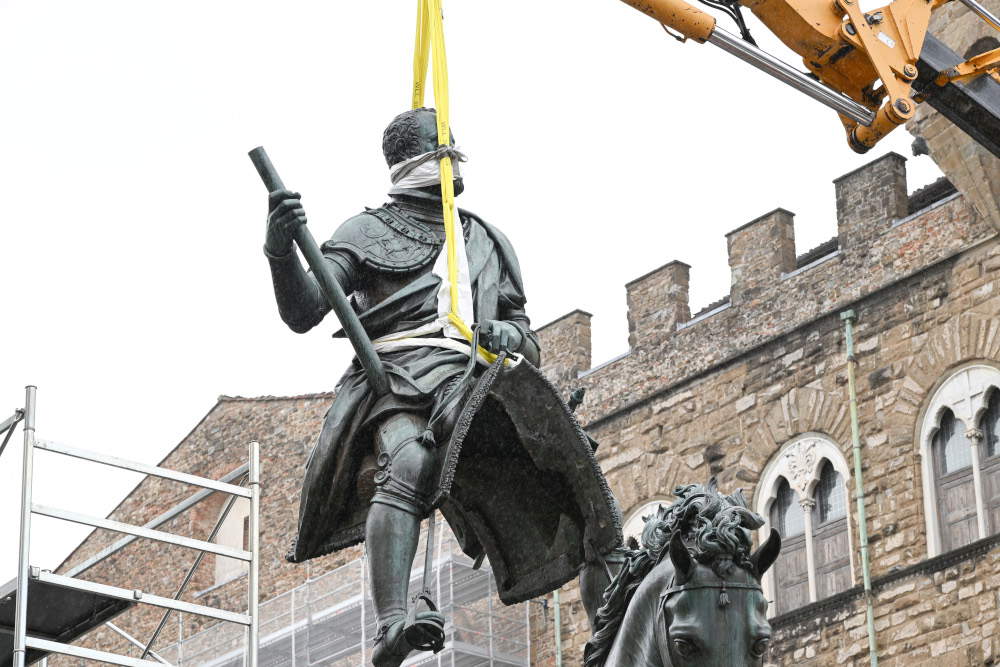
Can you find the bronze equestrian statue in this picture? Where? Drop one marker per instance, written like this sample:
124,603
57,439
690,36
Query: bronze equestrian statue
489,444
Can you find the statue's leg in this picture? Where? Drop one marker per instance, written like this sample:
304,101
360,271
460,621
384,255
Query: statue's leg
404,484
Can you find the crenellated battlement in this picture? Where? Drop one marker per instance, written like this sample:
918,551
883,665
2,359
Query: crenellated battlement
883,235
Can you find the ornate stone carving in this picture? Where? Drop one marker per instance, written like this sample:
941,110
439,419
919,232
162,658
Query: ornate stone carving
974,435
800,462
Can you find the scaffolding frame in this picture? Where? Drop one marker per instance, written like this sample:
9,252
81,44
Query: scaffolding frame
25,572
329,619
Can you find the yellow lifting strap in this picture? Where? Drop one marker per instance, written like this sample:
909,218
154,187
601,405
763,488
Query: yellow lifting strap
430,43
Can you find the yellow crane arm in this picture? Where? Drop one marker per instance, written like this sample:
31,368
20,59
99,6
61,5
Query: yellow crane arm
686,19
861,64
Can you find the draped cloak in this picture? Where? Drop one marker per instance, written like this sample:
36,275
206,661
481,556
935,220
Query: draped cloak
332,511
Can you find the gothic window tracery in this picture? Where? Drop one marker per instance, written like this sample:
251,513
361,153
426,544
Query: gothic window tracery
803,495
961,463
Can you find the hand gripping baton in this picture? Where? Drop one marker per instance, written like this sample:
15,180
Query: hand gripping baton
331,289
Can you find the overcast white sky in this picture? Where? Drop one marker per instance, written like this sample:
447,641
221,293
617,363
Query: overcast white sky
133,290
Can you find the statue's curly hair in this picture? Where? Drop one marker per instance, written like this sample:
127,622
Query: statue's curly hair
401,139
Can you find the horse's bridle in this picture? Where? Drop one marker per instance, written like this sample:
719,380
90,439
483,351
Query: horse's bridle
722,588
663,634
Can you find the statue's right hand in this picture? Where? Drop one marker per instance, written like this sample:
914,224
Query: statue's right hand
284,217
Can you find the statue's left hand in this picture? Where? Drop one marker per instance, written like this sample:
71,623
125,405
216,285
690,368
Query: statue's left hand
498,336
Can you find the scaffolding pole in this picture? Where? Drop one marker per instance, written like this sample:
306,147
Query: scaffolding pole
170,514
253,632
24,552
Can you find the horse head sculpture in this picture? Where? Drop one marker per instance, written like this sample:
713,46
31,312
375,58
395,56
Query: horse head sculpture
691,594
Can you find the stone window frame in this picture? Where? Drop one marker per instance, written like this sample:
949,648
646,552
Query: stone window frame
646,507
965,391
800,462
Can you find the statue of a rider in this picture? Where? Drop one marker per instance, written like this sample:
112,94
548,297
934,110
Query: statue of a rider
449,433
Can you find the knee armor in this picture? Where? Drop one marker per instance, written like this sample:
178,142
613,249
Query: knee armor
406,471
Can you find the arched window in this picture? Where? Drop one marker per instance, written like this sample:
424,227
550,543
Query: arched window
803,495
792,568
961,464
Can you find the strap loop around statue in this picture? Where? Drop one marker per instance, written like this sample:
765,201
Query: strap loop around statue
429,46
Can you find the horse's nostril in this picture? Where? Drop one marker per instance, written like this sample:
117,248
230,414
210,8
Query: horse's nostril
760,646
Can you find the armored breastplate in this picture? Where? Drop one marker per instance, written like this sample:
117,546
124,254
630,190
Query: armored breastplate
396,244
394,247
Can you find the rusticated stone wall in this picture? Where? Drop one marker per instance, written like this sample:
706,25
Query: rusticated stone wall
722,392
939,612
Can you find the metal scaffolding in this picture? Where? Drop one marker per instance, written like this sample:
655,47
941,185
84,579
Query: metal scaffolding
329,621
101,601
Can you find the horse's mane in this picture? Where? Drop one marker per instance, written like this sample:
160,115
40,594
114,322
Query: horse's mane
714,527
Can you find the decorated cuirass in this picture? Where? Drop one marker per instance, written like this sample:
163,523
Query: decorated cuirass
387,240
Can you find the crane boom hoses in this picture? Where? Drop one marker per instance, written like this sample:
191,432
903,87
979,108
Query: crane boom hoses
700,26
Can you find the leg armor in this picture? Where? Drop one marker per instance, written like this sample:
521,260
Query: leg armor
406,472
404,484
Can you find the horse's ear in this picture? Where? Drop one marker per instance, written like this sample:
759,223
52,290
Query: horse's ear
681,558
765,556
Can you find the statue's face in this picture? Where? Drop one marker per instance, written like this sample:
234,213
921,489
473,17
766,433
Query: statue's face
429,142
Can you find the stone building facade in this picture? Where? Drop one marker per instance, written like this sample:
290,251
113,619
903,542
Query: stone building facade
751,390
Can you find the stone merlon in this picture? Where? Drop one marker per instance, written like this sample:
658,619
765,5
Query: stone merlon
657,303
883,237
566,345
759,252
869,200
